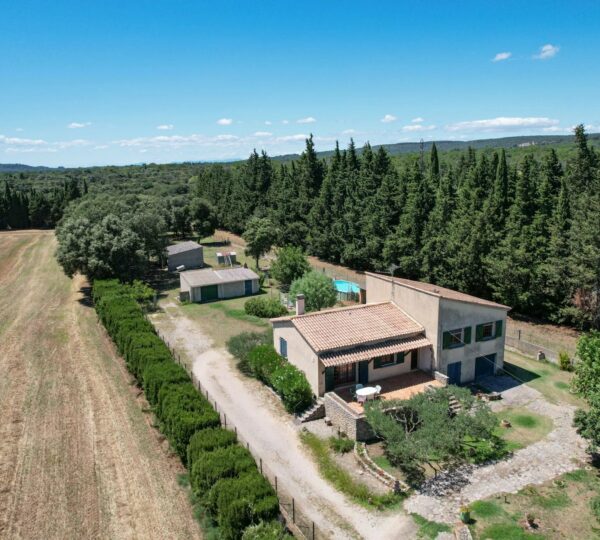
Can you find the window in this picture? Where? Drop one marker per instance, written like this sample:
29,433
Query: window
487,331
344,374
385,361
283,347
456,338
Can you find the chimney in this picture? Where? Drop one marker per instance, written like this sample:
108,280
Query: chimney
299,304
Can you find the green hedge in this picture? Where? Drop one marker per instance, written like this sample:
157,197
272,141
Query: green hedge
286,379
187,418
220,463
265,307
207,440
240,502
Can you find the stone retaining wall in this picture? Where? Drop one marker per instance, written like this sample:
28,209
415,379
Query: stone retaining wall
348,421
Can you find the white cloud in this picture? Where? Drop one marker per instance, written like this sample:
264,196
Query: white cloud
285,121
503,123
225,121
546,52
70,144
101,147
288,138
417,120
268,122
226,138
18,141
388,118
262,134
19,129
78,125
307,120
165,127
417,127
349,132
501,56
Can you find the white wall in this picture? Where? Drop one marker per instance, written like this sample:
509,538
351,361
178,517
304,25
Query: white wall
453,315
300,354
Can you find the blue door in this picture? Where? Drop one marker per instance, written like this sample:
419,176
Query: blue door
363,372
248,286
454,373
485,365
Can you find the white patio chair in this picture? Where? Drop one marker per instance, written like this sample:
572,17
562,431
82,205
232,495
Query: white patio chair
378,390
361,399
356,387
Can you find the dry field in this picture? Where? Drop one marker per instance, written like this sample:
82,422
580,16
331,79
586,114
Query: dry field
78,456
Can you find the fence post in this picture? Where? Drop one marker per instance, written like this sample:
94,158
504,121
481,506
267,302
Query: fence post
261,466
313,530
276,486
519,334
293,511
225,419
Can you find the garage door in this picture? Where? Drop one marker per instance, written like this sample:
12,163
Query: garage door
209,292
485,365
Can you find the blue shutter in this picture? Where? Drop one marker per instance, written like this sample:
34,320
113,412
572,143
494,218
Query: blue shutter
283,347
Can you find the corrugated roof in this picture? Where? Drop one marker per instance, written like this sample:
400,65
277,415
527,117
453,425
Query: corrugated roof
364,352
208,276
356,325
442,292
182,246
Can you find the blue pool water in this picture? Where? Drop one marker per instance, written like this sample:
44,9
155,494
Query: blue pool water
346,286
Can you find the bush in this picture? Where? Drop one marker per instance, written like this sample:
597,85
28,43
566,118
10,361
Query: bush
241,345
156,375
291,384
564,361
239,502
263,361
341,445
224,462
264,307
291,264
266,530
318,291
207,440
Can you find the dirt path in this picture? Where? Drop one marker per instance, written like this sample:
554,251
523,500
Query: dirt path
562,450
77,456
261,420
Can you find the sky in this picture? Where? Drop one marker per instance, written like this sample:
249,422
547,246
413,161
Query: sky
117,82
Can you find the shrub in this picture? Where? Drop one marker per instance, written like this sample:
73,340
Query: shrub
224,462
564,361
264,307
263,360
317,288
341,445
241,345
207,440
266,530
291,384
242,501
157,375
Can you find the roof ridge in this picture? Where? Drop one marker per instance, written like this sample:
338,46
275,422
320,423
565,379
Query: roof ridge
332,310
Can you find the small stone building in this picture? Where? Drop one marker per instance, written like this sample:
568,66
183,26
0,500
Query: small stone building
188,254
208,284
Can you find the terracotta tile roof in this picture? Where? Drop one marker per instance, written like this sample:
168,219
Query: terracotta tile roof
355,325
364,352
442,292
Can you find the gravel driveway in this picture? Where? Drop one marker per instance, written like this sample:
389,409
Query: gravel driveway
262,421
562,450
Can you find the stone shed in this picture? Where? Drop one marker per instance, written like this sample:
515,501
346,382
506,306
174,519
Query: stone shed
188,254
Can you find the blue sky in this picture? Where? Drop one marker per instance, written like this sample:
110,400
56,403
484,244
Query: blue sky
123,82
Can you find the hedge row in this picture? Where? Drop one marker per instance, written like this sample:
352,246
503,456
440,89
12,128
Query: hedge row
265,307
286,379
223,474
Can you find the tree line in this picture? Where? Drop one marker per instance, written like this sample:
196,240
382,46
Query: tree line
525,233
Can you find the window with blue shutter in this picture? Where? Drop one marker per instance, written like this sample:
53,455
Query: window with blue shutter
283,347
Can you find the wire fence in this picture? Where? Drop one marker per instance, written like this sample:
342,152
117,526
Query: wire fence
517,340
296,518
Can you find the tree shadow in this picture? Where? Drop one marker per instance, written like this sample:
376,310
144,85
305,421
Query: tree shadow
86,296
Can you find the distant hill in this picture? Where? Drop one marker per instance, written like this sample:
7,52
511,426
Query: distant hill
19,167
521,141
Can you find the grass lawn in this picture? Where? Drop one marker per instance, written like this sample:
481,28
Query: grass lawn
543,376
555,337
561,509
526,427
429,529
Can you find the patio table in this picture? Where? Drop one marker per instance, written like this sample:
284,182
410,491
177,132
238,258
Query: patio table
368,392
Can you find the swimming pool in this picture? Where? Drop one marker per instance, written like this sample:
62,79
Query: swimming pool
347,287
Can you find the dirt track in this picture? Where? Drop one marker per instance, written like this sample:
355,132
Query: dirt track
78,458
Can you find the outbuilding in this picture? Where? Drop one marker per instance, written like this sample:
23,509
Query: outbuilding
188,254
208,284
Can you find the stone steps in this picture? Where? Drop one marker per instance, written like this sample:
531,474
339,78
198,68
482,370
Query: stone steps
316,412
